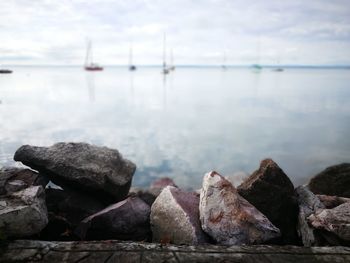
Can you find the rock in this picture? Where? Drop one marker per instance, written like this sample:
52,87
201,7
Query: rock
13,179
270,190
23,213
230,219
334,180
330,201
100,171
145,194
126,220
308,204
71,205
175,218
335,222
58,229
158,185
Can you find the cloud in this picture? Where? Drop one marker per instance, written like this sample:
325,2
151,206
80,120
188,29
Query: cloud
55,32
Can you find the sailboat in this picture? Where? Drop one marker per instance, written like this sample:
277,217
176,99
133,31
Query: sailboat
131,66
223,66
257,67
5,71
89,64
172,67
165,69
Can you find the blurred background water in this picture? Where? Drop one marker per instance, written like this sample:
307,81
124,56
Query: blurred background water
187,123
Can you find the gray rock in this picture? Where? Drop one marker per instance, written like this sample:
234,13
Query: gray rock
100,171
230,219
334,180
308,204
13,179
331,201
335,222
175,218
270,190
126,220
23,213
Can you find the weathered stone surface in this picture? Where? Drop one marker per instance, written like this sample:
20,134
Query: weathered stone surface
147,196
158,185
308,204
175,218
23,213
335,221
331,201
130,252
334,180
100,171
126,220
13,179
230,219
270,190
73,206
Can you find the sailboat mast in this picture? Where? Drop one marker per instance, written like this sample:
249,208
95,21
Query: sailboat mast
130,55
164,51
171,58
87,52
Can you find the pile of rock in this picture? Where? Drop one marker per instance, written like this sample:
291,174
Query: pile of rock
89,198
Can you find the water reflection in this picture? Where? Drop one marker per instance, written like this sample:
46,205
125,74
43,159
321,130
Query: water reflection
90,84
185,124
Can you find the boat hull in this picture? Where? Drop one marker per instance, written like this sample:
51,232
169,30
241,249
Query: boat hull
94,68
5,71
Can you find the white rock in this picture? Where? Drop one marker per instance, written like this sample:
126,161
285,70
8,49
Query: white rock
230,219
175,218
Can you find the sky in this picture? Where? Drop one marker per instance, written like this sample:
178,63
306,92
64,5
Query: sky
43,32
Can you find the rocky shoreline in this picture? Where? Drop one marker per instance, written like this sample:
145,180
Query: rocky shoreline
95,200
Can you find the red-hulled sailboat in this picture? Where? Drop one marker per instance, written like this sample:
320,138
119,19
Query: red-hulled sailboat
89,64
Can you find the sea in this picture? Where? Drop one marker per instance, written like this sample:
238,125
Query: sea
187,123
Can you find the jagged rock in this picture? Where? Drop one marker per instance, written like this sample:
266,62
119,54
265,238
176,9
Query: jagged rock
13,179
147,196
126,220
73,206
330,201
270,190
158,185
230,219
334,222
175,218
334,180
23,213
308,204
100,171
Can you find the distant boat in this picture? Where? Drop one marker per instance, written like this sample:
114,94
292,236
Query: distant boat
172,67
89,64
223,66
5,71
278,69
165,69
257,66
131,66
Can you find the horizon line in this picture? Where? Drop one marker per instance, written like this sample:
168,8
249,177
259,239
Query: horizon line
190,65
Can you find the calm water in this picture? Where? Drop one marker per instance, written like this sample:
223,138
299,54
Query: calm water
194,121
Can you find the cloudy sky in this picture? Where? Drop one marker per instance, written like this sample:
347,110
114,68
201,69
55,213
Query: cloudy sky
199,32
